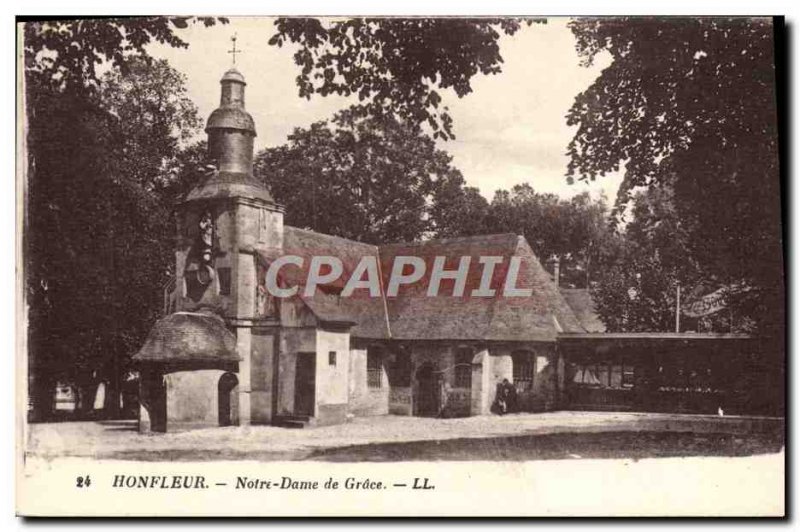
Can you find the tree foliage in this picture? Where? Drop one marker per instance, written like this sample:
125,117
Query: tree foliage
690,104
636,289
67,52
396,64
362,176
687,103
372,178
459,211
575,231
98,221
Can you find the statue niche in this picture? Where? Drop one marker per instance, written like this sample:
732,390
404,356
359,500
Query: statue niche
199,274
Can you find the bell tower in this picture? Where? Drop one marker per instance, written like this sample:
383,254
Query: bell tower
229,229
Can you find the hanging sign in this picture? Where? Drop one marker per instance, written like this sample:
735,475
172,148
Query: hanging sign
708,304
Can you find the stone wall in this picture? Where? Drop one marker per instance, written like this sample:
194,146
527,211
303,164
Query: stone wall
489,367
332,376
262,374
363,400
482,392
400,401
192,398
544,391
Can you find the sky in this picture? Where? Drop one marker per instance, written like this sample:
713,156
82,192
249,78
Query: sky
511,129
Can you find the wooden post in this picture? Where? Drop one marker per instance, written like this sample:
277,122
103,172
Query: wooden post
678,310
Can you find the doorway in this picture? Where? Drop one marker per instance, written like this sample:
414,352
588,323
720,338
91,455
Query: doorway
428,397
228,400
305,384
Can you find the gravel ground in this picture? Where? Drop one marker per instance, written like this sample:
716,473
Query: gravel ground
549,435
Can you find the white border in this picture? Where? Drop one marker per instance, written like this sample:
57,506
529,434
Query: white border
288,7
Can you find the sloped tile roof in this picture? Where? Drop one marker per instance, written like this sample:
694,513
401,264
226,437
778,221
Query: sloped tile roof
582,305
412,315
367,313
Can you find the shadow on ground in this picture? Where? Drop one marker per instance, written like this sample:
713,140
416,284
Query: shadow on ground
562,446
629,445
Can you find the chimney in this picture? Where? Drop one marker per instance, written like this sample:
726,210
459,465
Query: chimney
556,270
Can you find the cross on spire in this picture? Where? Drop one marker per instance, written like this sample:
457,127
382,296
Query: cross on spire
234,51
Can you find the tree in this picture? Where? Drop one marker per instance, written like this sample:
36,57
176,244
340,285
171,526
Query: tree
99,226
636,288
690,103
90,206
360,175
396,63
65,52
153,118
459,211
574,231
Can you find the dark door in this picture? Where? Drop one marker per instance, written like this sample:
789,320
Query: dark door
304,384
228,400
428,391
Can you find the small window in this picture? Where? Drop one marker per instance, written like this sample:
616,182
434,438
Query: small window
627,376
332,358
263,221
463,369
374,368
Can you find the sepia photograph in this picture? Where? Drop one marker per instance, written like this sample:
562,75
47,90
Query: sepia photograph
401,266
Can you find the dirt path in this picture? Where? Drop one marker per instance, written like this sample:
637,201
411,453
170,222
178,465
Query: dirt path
515,437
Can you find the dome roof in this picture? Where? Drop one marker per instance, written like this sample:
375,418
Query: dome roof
233,75
189,337
229,117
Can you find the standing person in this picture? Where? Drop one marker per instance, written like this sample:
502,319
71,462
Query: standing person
509,396
499,406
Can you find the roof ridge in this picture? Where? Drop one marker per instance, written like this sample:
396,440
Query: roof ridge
326,235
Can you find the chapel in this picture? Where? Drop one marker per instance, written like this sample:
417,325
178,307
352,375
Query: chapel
228,352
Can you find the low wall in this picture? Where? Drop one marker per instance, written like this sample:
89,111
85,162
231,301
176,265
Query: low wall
363,400
192,397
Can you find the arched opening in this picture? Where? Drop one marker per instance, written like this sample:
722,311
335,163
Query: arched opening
524,369
463,367
153,401
428,397
228,400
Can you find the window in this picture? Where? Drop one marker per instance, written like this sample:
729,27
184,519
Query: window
587,375
374,368
604,374
523,370
332,358
463,368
